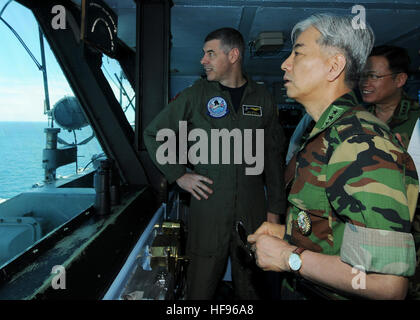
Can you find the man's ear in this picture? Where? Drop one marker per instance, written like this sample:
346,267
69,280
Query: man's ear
401,79
336,65
233,55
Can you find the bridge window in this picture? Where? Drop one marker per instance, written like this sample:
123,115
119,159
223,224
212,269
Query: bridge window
121,87
32,86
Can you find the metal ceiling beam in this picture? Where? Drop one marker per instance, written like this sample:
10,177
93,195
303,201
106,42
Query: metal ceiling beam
247,19
405,36
297,4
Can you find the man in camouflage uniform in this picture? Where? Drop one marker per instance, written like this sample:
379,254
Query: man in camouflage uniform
355,187
223,193
381,85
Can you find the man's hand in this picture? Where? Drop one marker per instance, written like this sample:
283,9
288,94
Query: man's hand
271,229
192,183
271,253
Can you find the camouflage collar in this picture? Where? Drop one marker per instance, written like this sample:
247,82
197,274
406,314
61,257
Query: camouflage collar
401,112
403,108
334,112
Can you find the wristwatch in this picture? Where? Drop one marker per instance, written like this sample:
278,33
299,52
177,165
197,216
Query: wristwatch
295,262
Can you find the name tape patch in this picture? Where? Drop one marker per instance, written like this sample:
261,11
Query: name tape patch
248,110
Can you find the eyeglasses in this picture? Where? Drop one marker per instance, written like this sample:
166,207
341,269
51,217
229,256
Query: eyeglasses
374,77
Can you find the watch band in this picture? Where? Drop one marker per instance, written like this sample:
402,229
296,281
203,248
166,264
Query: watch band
299,250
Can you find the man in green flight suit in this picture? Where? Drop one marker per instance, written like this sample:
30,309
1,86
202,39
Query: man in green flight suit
355,187
381,85
224,190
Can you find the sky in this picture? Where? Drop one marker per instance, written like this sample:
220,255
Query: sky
21,82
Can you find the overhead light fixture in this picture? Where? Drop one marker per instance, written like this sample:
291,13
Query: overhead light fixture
268,42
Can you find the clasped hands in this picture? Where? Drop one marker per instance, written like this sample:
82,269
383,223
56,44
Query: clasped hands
270,250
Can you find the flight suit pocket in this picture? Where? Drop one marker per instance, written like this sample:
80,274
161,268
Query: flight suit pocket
203,219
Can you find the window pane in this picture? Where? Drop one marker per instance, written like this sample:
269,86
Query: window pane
25,215
121,87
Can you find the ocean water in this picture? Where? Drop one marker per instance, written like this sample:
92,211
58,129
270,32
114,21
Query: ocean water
21,145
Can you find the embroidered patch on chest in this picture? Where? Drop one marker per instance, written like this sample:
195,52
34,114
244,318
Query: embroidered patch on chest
217,107
248,110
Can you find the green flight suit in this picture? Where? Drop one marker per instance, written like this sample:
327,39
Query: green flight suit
236,196
358,187
404,118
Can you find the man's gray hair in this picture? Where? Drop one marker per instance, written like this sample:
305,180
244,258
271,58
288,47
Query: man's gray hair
338,32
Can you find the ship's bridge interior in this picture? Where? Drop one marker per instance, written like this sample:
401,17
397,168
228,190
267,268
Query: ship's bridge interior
119,229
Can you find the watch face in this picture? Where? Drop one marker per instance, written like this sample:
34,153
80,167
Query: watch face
295,262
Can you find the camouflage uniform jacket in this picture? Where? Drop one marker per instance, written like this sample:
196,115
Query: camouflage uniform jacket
403,122
404,118
359,188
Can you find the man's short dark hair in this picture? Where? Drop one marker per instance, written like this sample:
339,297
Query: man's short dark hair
229,38
397,57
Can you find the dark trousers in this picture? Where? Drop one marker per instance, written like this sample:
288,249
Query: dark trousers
205,272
